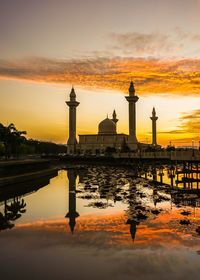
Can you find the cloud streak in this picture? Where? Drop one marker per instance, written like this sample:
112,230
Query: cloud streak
152,76
191,122
154,44
134,43
188,129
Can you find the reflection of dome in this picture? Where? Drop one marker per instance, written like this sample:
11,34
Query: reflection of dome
107,126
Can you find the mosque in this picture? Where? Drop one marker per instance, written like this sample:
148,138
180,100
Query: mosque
107,136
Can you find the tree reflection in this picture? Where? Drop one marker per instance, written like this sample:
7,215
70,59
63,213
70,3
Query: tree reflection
12,212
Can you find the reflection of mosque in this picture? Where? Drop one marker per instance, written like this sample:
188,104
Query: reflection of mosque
109,189
136,212
73,214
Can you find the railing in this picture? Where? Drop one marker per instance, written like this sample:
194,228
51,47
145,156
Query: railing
171,155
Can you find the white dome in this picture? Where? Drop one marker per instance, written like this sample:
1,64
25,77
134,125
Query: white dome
107,126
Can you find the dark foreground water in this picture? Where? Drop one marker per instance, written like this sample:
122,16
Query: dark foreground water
100,223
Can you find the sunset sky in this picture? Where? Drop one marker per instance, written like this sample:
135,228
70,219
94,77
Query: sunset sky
98,47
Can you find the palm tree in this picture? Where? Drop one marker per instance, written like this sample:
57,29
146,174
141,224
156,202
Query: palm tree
4,219
11,138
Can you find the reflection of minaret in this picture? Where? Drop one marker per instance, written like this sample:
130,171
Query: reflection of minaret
155,197
154,119
72,142
132,204
132,99
72,214
133,227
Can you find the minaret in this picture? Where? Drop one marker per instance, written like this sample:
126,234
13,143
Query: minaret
154,119
72,142
72,214
114,119
132,99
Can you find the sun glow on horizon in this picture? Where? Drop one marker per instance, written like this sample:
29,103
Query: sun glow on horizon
42,112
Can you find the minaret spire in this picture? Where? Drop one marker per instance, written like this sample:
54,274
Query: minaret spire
154,133
114,115
131,89
72,142
132,99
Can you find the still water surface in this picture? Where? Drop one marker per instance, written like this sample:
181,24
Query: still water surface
101,222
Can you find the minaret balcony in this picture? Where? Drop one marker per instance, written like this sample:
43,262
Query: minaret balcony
133,98
154,118
72,103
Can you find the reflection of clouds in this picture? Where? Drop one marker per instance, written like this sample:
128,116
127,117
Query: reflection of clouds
67,262
152,75
48,254
112,231
101,248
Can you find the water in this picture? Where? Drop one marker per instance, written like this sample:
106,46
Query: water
100,222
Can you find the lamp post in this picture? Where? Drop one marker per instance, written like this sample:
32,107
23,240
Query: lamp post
192,148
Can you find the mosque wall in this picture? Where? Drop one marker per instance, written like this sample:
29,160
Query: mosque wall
93,144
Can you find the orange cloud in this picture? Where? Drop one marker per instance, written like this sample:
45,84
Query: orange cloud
191,122
111,231
151,75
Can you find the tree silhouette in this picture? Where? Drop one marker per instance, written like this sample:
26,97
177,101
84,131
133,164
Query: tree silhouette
12,212
13,143
11,139
15,209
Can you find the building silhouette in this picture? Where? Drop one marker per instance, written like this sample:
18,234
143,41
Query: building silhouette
72,142
107,136
154,118
132,99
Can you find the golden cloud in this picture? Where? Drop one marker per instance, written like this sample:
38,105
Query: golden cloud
152,76
188,129
111,230
191,122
